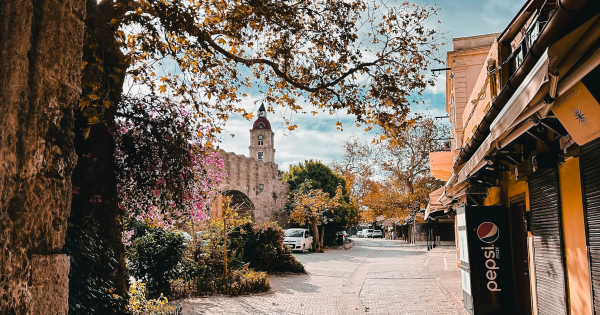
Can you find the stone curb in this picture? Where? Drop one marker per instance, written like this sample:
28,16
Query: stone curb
349,244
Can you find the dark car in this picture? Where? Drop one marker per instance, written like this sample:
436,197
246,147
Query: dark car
343,237
346,236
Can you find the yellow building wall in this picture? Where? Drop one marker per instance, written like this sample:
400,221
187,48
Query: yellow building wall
494,197
578,276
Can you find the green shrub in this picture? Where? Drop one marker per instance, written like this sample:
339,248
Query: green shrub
154,258
249,247
90,290
140,305
247,281
264,250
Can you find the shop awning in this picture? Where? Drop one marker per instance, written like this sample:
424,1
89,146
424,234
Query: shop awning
513,120
440,164
435,207
534,87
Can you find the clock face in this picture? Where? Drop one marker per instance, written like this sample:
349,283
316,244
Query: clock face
260,137
261,126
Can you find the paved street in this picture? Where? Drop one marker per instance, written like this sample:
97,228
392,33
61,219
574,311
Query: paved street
374,277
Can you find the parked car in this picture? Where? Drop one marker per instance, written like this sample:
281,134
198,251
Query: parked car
199,241
377,233
186,238
367,233
359,234
298,239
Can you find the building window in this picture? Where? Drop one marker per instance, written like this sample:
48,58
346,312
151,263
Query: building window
260,143
261,187
260,156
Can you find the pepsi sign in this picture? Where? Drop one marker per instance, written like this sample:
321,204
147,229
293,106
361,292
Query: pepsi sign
489,263
488,232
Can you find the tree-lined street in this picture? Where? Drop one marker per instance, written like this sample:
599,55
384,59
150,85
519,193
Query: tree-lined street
374,277
127,185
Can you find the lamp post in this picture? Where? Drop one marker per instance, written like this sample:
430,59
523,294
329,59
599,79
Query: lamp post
225,248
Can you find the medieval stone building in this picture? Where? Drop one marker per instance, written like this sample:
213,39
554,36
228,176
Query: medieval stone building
254,183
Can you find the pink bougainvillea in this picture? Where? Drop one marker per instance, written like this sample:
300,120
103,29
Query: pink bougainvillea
169,171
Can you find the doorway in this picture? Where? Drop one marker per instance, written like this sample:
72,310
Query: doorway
520,261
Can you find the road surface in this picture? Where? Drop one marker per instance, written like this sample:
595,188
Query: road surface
374,277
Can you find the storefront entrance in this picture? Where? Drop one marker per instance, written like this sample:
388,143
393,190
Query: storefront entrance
520,263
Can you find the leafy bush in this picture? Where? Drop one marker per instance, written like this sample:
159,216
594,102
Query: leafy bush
264,250
154,257
139,305
239,282
247,281
249,245
90,290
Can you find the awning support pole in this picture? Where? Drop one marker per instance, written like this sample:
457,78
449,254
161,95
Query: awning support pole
473,199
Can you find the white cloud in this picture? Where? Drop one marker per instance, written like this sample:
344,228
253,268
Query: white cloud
315,138
440,84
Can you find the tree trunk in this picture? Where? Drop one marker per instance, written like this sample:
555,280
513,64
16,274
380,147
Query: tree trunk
95,217
322,237
315,232
40,60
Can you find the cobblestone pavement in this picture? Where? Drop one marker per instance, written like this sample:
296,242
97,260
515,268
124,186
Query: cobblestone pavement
374,277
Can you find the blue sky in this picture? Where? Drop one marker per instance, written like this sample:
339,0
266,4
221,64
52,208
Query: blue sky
317,137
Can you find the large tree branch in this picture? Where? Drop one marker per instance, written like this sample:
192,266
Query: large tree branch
249,62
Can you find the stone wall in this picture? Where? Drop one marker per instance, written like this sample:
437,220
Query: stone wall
40,60
246,175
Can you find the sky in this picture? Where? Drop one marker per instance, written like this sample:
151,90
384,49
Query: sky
317,137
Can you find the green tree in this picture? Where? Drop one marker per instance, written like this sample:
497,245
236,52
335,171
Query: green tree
310,206
316,176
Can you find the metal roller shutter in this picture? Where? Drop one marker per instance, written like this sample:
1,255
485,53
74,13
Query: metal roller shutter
547,242
590,175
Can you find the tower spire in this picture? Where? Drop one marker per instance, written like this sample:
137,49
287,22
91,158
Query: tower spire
262,112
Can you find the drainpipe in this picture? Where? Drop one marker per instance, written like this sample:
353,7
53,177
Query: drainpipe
564,12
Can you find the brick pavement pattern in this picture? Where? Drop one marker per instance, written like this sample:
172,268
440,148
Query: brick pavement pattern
374,277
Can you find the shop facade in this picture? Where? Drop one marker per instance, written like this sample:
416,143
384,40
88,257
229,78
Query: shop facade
526,152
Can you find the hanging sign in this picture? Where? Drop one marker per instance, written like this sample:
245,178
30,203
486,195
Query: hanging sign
579,113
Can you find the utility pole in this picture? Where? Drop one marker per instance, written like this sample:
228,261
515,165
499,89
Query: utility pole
225,248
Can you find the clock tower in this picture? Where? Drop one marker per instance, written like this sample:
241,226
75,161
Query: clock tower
262,138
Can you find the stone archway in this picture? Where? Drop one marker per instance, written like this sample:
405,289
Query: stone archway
240,202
